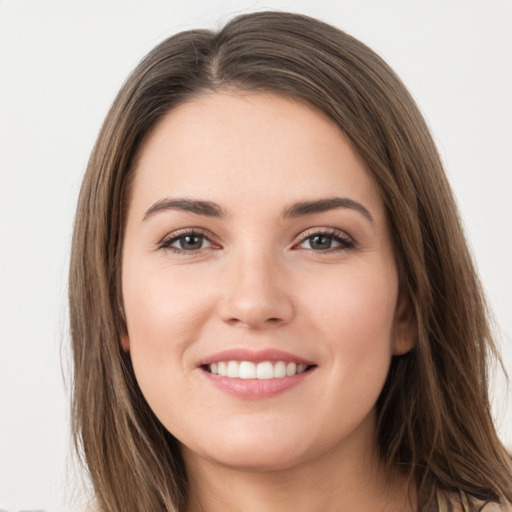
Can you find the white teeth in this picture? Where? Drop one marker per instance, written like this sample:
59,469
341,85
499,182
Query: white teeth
221,369
265,370
280,369
250,370
247,370
291,369
232,370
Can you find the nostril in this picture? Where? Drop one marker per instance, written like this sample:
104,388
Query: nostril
255,310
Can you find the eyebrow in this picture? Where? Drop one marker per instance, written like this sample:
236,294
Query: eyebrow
324,205
207,208
211,209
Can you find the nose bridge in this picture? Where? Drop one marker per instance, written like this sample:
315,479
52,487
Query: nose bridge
256,294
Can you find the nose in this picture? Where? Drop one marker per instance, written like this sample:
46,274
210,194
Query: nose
257,294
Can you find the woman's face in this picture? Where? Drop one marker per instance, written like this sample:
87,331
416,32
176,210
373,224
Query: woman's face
259,283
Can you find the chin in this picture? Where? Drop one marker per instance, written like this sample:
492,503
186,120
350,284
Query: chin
259,449
257,458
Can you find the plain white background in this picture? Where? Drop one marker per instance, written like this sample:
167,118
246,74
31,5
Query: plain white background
62,62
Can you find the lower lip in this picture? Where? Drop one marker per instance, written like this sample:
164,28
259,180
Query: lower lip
256,389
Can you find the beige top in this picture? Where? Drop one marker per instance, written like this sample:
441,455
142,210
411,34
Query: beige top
488,506
496,507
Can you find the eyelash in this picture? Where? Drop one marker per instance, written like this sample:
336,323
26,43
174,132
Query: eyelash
167,242
345,242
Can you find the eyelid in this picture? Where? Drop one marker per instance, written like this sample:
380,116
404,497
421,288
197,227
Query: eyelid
168,239
347,240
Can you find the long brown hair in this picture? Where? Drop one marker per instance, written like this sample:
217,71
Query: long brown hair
434,418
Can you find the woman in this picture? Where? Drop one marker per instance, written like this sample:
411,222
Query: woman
272,302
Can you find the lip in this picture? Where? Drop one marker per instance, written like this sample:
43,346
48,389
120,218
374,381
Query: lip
255,356
255,389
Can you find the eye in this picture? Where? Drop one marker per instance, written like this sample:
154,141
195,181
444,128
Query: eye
185,242
326,241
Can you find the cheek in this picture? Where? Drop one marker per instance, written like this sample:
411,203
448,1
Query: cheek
165,315
354,316
354,319
355,307
161,305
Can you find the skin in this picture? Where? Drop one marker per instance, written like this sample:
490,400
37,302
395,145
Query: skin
259,282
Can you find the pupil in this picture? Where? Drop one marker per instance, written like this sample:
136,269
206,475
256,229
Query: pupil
320,242
191,242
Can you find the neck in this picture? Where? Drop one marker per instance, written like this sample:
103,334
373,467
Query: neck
344,479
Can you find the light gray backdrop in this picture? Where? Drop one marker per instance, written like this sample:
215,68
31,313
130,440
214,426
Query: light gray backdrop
61,63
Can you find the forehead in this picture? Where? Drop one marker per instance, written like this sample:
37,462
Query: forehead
263,147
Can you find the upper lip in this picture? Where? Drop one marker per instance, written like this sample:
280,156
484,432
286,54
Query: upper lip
255,356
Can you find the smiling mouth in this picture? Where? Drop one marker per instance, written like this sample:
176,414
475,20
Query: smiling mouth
263,370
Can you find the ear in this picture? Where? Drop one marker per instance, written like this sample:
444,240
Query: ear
125,343
405,327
